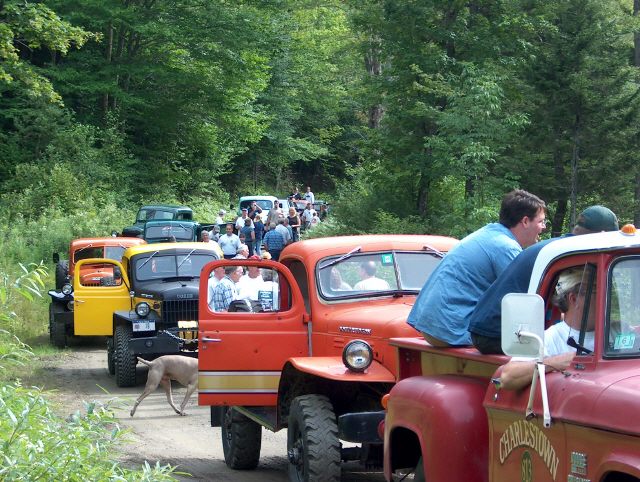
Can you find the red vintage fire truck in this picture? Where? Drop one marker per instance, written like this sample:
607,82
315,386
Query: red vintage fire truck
449,420
307,344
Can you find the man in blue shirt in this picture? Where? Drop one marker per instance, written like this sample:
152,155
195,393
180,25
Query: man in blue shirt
273,242
485,321
450,294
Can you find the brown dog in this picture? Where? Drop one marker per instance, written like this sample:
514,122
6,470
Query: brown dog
162,370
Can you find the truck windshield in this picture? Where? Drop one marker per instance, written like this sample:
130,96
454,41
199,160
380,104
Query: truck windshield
179,232
622,330
166,267
367,274
262,203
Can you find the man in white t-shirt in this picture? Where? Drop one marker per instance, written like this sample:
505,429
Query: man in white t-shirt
214,279
570,296
369,281
250,283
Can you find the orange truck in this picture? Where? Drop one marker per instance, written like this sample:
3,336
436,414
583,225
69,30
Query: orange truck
313,354
448,419
63,321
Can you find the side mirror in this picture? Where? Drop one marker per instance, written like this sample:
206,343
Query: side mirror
523,325
56,258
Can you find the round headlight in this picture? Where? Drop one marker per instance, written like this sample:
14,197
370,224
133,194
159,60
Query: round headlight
357,355
67,289
142,309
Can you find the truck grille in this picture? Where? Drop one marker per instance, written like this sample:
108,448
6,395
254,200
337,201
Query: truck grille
179,310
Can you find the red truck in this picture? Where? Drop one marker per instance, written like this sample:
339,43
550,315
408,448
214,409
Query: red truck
312,355
449,420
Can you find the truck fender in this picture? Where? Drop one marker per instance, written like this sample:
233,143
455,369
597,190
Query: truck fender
332,368
445,416
129,316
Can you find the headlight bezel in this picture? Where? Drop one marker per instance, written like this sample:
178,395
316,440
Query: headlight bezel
67,289
141,311
363,353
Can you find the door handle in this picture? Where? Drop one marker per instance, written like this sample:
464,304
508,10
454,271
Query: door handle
214,340
78,301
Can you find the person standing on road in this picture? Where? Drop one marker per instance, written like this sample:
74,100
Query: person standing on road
258,227
273,242
441,311
226,291
241,218
220,218
248,232
229,242
294,223
254,211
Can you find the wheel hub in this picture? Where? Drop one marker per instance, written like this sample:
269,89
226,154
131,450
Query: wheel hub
293,454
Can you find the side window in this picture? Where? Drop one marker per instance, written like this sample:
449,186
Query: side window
574,298
299,272
622,329
248,289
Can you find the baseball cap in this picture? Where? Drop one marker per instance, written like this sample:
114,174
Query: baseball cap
568,279
598,218
222,212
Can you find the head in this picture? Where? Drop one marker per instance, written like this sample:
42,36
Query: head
253,271
229,229
309,206
281,221
596,219
244,212
285,222
222,212
525,215
254,205
204,237
368,269
265,255
308,188
216,229
272,225
219,272
247,222
570,295
292,212
243,250
336,278
234,272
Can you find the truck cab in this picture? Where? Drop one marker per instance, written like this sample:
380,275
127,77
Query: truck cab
157,212
64,321
321,352
448,418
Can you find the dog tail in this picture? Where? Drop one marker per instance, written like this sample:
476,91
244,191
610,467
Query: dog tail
142,360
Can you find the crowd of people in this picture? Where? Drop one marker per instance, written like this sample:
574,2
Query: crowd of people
253,234
460,304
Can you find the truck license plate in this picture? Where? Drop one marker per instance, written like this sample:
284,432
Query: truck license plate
144,325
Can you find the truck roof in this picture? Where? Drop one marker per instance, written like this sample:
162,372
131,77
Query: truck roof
105,241
165,206
146,248
322,247
579,244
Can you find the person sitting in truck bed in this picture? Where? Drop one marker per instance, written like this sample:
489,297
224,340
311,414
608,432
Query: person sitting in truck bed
575,297
485,321
441,311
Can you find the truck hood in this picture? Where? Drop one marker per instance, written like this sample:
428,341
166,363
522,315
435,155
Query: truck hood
169,290
385,318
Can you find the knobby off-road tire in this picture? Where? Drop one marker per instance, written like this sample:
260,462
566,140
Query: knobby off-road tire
313,446
241,440
62,270
57,329
125,361
111,359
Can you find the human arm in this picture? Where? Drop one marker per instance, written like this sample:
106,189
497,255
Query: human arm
518,374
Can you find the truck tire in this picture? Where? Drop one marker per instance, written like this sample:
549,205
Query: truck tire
125,361
111,359
241,440
57,329
313,447
62,270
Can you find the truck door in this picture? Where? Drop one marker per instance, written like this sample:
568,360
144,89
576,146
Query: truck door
241,353
100,288
521,448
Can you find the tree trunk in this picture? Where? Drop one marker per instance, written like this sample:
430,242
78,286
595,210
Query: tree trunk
575,159
373,65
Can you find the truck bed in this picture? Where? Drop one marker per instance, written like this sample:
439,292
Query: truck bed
417,357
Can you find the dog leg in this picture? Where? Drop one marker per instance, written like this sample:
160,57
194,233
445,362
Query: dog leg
190,389
147,391
166,383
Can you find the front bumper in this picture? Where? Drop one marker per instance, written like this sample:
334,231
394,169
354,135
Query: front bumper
360,427
163,343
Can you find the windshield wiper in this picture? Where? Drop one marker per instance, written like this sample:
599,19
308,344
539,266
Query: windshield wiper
433,250
342,258
186,258
75,256
147,260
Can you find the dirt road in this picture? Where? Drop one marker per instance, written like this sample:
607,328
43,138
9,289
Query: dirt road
158,433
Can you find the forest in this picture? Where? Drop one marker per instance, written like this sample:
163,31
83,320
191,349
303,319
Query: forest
409,116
